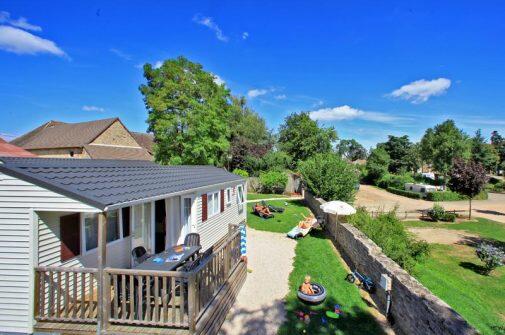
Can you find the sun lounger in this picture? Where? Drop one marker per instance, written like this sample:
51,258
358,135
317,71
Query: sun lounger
298,232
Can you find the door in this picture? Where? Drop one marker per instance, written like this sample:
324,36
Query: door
141,226
159,225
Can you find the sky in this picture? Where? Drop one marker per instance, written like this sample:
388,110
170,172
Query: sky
369,70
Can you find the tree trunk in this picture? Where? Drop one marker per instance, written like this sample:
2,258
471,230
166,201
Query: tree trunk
470,211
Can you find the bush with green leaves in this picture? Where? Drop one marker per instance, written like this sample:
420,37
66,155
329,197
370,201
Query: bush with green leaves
395,180
443,196
276,160
389,233
405,193
436,213
377,164
330,177
273,181
492,256
242,173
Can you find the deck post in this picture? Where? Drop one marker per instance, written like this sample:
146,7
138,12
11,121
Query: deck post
102,303
192,287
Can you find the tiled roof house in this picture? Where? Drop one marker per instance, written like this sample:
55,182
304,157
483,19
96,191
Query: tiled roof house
99,139
10,150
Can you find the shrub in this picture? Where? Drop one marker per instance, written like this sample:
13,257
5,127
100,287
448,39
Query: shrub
436,213
449,217
389,233
273,181
377,164
443,196
492,256
409,194
242,173
330,177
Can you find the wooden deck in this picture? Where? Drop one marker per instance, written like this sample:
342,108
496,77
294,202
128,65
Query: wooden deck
141,302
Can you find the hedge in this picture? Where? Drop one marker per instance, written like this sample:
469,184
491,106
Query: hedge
453,196
410,194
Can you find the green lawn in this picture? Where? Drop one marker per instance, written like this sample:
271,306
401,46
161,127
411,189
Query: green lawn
315,256
281,222
452,272
256,196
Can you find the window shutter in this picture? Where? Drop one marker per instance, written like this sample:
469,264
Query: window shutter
222,201
70,237
204,207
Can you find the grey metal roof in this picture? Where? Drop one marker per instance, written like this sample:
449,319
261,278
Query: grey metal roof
104,183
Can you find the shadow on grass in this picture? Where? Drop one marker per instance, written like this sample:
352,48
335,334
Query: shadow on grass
489,211
479,269
475,241
353,321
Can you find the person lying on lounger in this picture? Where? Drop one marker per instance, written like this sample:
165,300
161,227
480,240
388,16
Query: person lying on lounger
262,209
306,287
307,222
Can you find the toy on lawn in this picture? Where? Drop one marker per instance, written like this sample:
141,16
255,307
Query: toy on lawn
364,282
311,293
336,313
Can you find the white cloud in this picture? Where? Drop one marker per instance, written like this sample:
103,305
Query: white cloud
5,17
120,54
245,35
258,92
209,23
421,90
218,80
280,97
346,112
90,108
158,64
22,42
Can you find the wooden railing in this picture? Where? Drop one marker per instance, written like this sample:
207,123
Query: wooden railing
172,299
64,294
147,298
214,272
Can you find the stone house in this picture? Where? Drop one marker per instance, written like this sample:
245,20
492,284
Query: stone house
98,139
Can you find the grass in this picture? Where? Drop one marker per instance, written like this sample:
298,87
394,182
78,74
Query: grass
315,256
453,273
259,196
281,222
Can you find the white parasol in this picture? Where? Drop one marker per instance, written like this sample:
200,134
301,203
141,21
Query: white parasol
338,208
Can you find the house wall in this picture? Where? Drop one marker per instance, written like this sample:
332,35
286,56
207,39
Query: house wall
116,134
216,227
18,202
60,153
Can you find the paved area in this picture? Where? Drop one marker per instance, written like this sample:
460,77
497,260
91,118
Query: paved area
444,236
374,198
259,308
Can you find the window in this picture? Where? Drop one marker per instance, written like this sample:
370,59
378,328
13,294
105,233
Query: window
112,226
90,231
228,196
240,194
125,218
213,204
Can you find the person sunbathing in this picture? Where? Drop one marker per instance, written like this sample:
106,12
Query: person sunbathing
306,287
306,222
262,209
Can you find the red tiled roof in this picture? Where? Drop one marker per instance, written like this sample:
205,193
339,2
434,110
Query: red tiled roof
10,150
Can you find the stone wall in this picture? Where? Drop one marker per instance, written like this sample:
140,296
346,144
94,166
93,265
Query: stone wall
414,309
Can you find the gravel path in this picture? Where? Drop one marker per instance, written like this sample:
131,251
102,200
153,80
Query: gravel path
259,308
377,199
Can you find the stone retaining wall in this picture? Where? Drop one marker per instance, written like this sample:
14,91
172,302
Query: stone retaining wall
414,309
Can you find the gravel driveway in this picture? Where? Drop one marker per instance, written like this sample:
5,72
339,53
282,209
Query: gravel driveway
374,198
259,308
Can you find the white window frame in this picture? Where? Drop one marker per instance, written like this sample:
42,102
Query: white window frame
83,232
228,194
211,210
240,201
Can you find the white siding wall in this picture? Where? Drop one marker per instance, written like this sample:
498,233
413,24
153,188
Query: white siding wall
18,201
215,228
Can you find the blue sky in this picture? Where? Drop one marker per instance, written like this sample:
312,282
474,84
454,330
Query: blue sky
368,70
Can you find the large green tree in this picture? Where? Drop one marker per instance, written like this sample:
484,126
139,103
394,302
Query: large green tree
498,143
250,138
188,111
351,150
377,164
301,137
399,149
442,144
484,153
